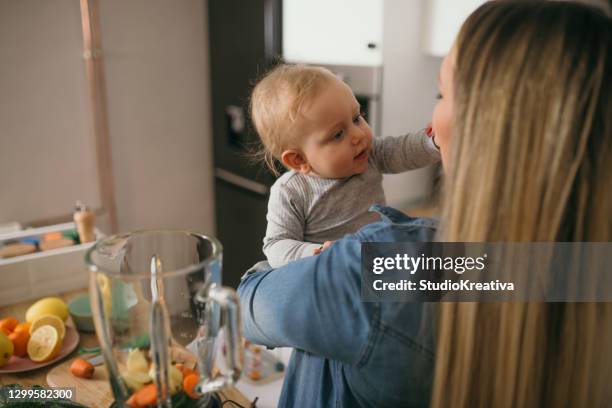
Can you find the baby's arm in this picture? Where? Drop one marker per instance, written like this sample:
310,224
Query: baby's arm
284,240
395,154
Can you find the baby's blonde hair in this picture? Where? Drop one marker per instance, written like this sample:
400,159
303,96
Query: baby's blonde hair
276,102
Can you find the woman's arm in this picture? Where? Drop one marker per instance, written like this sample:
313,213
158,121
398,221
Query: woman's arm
313,304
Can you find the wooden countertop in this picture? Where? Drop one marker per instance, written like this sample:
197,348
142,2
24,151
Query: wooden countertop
39,377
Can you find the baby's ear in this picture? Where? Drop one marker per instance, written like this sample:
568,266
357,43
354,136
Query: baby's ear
294,160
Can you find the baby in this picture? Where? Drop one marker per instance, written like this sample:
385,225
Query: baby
310,121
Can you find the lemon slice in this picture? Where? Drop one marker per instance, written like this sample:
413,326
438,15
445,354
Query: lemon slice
50,320
44,344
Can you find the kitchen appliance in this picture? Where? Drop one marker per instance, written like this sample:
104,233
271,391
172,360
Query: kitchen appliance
245,41
158,293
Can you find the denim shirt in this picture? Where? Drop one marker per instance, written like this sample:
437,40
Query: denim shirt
348,353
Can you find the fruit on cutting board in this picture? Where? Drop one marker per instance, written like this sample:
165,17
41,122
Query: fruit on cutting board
51,320
44,344
6,349
47,306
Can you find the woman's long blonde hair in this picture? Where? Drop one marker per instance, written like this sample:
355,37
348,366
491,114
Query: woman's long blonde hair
531,160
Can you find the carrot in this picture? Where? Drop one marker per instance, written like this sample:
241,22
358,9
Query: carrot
189,384
146,396
185,370
131,402
81,368
188,371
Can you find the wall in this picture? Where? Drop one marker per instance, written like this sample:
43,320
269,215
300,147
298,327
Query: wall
156,61
47,153
409,89
159,112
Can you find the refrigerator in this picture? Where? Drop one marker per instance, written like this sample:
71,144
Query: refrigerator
245,41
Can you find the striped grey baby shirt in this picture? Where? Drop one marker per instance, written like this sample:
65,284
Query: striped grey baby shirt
306,210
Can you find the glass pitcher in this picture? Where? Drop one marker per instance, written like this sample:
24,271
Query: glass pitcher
157,301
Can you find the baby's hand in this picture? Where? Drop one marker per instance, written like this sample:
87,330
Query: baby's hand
323,247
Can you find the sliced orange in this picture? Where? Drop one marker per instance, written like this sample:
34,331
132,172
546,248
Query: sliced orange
50,320
44,344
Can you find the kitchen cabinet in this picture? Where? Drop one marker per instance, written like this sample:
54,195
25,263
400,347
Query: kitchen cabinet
443,21
336,32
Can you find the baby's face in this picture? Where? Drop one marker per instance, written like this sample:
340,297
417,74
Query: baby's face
336,138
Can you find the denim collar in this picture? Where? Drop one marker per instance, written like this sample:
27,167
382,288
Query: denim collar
392,216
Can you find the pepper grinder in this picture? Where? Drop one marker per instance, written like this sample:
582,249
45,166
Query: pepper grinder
85,221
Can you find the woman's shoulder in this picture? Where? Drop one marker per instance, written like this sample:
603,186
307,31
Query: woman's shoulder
395,226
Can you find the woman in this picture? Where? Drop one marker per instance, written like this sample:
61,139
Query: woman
532,109
524,126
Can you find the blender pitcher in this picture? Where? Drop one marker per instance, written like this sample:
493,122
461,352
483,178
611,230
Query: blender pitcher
157,301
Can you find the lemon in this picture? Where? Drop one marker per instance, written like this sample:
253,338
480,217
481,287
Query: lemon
135,380
44,344
47,306
51,320
6,349
137,362
176,377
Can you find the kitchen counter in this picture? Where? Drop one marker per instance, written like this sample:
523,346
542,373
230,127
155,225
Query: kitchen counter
39,377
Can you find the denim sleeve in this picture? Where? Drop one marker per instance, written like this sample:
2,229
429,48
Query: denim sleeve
313,304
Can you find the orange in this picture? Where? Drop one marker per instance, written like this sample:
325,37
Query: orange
8,324
25,326
20,342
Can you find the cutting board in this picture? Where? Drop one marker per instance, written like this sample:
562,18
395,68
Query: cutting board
94,392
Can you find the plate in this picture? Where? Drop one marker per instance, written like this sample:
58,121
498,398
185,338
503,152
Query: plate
23,364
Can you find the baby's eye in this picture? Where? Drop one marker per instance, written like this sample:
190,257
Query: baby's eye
438,95
357,118
338,135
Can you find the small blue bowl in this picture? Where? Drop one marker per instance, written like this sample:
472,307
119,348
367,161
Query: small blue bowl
80,310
